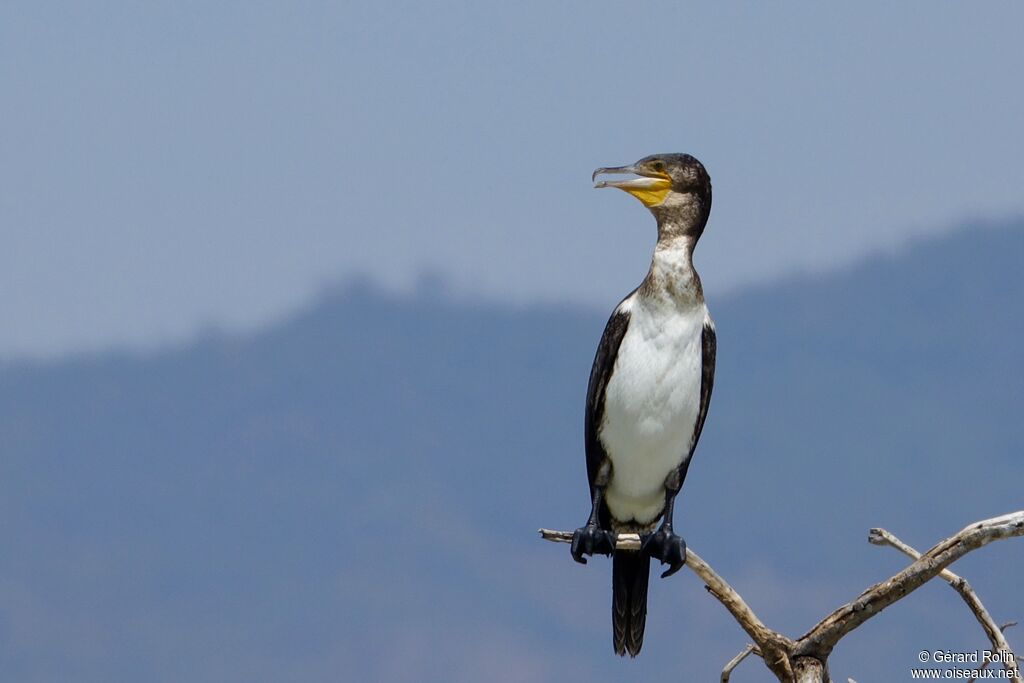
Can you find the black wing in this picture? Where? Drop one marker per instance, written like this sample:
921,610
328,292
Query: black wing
604,362
709,349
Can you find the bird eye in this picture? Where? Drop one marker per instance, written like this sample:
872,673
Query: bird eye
658,166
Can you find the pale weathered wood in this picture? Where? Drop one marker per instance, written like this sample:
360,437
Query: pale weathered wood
961,586
822,638
734,662
809,670
805,660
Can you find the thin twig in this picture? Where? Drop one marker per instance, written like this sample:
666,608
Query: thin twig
734,662
961,586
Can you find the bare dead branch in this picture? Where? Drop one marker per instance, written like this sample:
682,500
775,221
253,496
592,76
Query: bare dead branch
806,659
820,640
961,586
734,662
773,645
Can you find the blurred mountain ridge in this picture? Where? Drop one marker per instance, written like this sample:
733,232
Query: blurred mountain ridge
353,492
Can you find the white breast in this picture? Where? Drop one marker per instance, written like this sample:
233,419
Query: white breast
651,404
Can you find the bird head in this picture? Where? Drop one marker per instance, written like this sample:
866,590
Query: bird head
675,187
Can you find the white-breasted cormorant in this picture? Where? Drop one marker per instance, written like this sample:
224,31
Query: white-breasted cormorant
649,391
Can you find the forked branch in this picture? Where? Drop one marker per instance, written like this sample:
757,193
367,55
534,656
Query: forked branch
960,585
819,641
805,660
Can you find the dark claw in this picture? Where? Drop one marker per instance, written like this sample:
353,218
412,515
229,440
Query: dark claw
590,540
667,547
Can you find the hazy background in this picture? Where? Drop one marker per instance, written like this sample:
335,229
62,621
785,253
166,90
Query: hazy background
300,302
169,166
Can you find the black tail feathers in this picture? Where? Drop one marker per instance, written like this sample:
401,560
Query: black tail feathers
630,572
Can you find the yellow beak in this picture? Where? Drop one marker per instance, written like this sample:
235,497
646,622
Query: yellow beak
651,189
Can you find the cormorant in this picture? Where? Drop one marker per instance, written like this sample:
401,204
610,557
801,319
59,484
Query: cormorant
649,391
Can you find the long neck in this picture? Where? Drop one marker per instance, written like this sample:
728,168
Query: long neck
672,275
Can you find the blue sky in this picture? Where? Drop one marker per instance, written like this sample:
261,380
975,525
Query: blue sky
170,166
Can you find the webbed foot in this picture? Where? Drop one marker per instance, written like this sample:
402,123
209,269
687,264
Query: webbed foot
591,540
667,547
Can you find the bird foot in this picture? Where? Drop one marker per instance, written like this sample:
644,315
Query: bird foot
667,547
591,540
